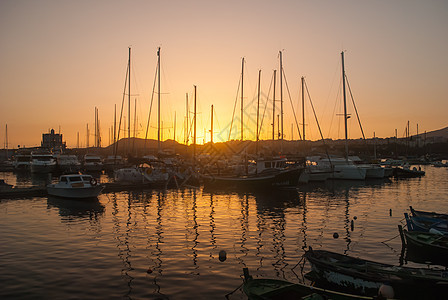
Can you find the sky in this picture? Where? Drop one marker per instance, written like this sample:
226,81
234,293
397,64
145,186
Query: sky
61,59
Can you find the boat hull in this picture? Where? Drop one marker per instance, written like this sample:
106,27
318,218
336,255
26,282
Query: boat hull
258,289
348,172
271,180
365,277
425,247
75,192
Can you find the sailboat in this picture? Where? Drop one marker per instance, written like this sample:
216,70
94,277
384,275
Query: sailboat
266,173
344,168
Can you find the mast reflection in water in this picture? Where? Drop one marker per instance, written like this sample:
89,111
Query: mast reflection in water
161,244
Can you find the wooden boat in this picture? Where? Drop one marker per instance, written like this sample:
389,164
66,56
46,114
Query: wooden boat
424,247
77,186
268,179
364,277
426,224
420,213
257,289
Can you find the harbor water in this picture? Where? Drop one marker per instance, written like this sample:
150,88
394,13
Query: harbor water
192,243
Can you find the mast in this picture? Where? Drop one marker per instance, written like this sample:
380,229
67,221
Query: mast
6,140
281,95
188,122
258,111
96,129
174,134
211,130
115,123
273,108
194,134
158,100
135,124
129,101
87,136
303,108
345,106
242,102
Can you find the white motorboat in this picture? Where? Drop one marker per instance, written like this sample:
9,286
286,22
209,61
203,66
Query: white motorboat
68,162
344,169
316,171
42,162
373,171
93,162
155,174
76,186
113,162
22,160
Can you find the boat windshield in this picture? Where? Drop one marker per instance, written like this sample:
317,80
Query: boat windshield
86,178
75,178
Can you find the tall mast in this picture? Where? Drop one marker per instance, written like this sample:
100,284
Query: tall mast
158,100
87,136
174,134
211,129
242,104
194,134
115,124
281,94
96,131
129,101
188,122
258,111
135,125
345,106
273,108
303,108
6,140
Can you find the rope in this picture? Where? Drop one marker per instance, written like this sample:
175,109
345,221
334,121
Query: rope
383,242
227,295
150,106
266,105
234,108
292,106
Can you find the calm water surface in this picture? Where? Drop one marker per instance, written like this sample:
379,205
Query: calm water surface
165,244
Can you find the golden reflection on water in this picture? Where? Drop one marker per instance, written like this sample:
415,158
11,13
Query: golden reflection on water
162,243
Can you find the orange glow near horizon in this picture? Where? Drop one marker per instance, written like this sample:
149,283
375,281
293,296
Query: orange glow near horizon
60,60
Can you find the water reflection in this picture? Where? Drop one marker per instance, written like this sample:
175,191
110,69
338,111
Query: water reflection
68,209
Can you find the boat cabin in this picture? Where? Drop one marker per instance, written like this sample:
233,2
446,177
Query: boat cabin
75,180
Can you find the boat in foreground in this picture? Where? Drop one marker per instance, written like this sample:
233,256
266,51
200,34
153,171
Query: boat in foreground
427,214
256,289
427,224
425,247
364,277
77,186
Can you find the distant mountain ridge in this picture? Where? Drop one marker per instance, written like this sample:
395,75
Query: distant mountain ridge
442,133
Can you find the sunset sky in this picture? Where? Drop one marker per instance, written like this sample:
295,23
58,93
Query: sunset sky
61,59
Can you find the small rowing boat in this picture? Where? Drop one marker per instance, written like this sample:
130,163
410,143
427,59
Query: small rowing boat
364,277
425,247
270,289
420,213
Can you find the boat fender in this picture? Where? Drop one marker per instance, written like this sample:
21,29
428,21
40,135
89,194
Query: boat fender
93,181
386,291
